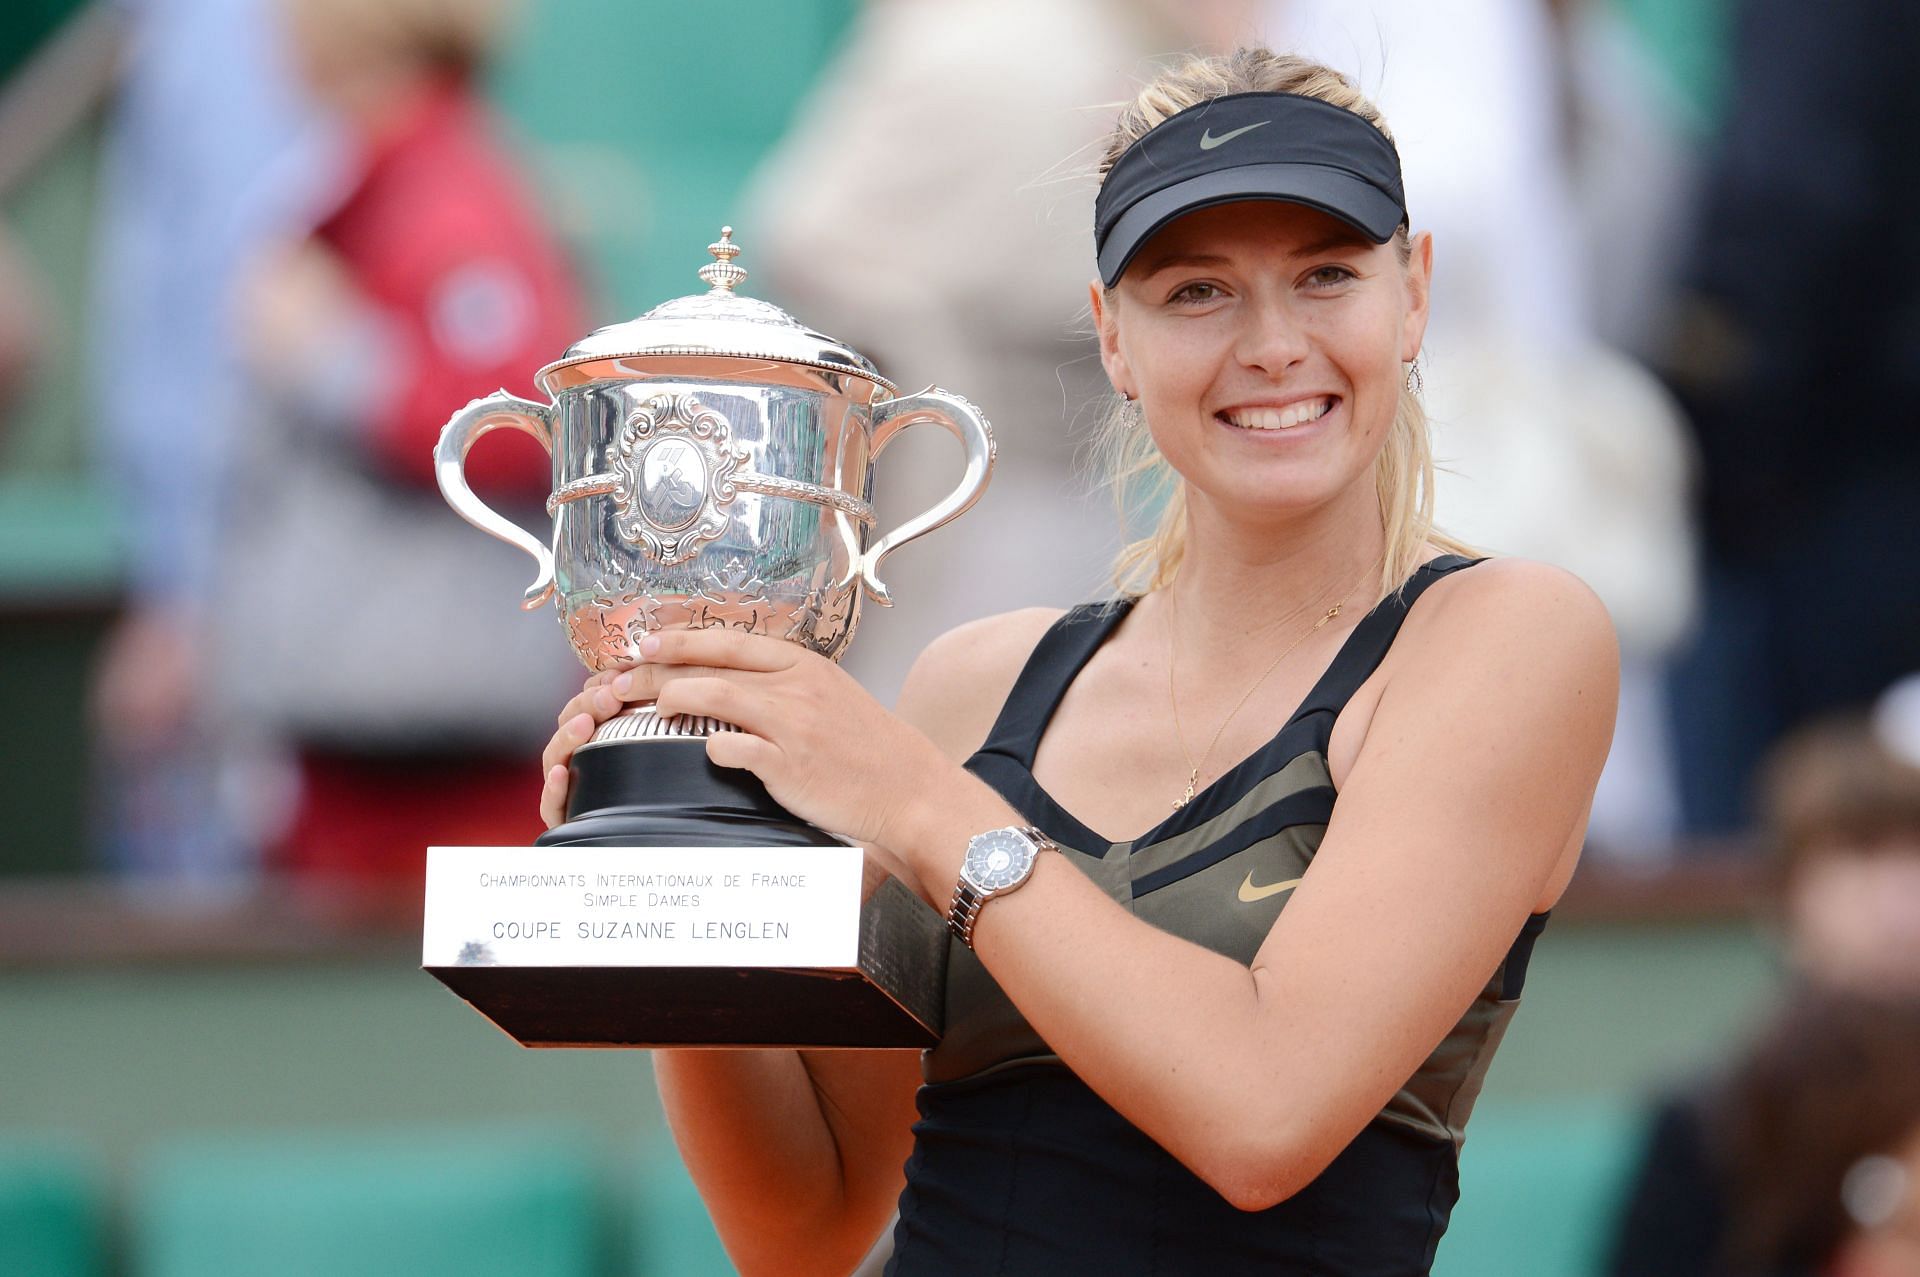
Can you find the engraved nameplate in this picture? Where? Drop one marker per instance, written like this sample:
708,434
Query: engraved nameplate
669,946
642,907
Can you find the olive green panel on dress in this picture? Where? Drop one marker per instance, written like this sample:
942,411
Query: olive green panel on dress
1219,871
1439,1096
1304,775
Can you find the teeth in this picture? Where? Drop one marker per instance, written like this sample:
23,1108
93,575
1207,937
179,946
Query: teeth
1292,415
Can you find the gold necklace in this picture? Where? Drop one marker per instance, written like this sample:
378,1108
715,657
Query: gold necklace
1173,690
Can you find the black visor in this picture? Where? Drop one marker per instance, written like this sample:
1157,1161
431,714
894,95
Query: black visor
1248,146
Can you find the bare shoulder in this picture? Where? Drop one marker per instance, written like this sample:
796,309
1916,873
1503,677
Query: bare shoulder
1515,606
956,688
1513,635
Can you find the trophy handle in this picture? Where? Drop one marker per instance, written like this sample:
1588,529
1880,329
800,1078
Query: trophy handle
961,420
461,432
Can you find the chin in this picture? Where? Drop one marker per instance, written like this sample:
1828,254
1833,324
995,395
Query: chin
1261,498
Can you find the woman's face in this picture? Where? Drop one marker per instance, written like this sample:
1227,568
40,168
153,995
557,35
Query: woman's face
1266,343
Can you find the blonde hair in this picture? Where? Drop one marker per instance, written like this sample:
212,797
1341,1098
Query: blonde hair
1404,472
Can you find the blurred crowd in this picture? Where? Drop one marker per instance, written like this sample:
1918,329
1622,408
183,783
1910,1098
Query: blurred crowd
1799,1155
307,261
1675,339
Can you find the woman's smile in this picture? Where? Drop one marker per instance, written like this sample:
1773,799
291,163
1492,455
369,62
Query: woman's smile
1291,417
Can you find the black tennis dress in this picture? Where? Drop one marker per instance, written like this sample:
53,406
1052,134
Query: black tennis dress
1019,1168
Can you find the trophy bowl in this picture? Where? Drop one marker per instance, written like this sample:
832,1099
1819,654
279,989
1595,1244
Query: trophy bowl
712,466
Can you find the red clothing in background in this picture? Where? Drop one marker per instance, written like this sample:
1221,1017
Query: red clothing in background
443,237
442,234
375,818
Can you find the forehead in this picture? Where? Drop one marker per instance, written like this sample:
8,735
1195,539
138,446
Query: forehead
1248,230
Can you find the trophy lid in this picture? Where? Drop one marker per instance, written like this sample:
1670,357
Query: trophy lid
722,324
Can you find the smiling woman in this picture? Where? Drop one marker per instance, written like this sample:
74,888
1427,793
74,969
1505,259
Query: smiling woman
1328,108
1224,1011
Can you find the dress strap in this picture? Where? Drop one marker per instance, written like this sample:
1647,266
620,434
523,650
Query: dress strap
1367,646
1056,661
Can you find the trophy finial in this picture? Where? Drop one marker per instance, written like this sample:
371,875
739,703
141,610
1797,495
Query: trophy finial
721,272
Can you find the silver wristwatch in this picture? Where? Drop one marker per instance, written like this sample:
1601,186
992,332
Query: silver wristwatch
998,861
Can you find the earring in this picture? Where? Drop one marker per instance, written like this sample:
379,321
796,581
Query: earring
1414,383
1126,397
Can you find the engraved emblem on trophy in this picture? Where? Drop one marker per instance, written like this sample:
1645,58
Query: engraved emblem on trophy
713,466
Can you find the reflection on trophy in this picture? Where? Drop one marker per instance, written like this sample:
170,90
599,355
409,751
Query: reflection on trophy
713,462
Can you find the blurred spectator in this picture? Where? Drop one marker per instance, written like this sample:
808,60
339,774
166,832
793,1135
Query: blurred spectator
1789,1162
200,169
1798,357
1550,444
364,621
1803,1162
931,205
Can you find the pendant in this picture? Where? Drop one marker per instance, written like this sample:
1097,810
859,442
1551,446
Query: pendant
1187,797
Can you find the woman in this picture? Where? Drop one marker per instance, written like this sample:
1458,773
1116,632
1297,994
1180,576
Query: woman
1230,1024
433,278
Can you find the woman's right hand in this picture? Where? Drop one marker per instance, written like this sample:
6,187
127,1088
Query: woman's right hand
593,706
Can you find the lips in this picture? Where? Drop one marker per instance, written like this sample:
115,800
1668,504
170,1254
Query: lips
1278,416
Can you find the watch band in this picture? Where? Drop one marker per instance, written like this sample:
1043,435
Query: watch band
964,911
968,899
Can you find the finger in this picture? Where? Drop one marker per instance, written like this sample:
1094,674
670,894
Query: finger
720,647
645,682
553,797
586,701
593,699
714,697
742,750
572,735
600,678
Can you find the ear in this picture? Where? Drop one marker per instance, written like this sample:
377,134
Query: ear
1105,325
1413,328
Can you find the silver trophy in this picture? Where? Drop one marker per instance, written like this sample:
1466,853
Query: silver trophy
713,466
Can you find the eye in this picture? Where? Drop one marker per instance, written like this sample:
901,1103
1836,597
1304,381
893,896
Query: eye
1330,276
1198,293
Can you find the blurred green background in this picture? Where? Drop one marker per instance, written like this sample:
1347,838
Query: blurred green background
182,1099
325,1106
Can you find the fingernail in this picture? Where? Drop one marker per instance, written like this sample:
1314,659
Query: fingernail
622,685
649,645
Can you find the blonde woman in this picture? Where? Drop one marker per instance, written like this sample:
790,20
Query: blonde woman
1244,867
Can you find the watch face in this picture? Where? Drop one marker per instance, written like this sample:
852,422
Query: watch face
998,859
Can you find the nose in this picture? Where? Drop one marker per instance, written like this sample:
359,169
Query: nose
1272,338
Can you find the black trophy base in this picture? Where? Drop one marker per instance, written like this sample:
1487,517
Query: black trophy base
687,1007
665,793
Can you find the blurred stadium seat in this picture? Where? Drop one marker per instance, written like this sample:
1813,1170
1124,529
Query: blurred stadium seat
1538,1189
52,1211
471,1202
672,1236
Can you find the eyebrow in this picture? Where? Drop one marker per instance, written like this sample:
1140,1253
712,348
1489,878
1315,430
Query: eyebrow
1344,238
1154,265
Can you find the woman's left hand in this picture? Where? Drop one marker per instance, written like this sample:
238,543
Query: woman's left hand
826,750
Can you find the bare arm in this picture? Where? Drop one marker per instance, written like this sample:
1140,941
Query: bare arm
1459,815
1467,794
799,1155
